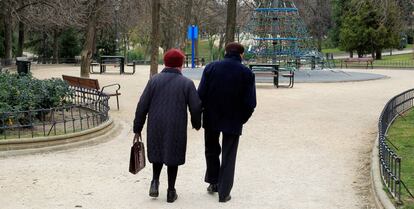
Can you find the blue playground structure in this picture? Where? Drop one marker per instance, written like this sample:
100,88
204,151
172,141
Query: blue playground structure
280,37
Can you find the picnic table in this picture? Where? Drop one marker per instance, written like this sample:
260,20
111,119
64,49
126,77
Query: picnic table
112,60
116,61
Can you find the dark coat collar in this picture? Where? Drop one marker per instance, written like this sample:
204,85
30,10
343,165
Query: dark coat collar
171,70
233,56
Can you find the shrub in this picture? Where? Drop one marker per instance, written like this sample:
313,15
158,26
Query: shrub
136,54
24,93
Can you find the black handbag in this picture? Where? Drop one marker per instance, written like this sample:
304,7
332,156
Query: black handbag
137,159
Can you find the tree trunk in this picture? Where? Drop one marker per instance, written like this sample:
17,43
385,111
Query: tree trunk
211,41
360,54
221,42
20,44
55,47
88,48
125,42
319,44
196,42
155,36
351,54
44,47
378,53
187,21
231,20
8,41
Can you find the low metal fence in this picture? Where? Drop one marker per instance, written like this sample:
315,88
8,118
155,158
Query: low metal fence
390,162
378,64
88,108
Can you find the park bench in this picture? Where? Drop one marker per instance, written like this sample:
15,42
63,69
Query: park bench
273,71
89,83
116,61
368,60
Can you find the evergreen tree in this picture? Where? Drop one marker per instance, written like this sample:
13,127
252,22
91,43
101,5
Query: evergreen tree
339,9
369,27
70,43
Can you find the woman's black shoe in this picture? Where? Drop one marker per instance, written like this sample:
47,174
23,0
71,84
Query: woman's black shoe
171,195
154,188
225,199
212,188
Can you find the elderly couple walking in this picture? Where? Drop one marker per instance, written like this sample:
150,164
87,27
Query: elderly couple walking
226,97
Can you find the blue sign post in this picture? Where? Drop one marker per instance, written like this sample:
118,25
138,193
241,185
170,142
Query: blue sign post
192,35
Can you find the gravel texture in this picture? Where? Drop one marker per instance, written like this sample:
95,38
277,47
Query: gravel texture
306,147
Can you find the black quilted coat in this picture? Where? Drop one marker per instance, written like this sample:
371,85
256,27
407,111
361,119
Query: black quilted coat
165,101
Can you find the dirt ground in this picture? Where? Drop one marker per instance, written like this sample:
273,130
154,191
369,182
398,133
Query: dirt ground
306,147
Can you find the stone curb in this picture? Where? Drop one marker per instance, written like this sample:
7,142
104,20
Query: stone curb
103,133
381,198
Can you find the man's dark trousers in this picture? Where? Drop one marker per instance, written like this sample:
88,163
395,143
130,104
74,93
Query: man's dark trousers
222,175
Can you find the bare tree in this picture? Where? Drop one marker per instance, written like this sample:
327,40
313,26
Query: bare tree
187,21
231,20
155,36
8,30
89,45
317,15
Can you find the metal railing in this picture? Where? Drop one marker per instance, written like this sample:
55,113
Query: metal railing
88,108
379,64
390,162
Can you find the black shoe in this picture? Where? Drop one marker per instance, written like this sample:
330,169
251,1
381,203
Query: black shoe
171,196
225,199
153,192
212,188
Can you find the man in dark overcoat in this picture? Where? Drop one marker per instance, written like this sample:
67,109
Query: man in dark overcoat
228,94
165,100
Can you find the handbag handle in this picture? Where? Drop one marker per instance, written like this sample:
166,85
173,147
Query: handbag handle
137,139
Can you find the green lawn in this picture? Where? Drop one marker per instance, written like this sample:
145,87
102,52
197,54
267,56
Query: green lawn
401,134
401,57
334,51
394,61
203,49
337,51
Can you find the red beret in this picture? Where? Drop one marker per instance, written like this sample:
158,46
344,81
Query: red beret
174,58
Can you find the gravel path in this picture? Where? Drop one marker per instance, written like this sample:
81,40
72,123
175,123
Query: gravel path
306,147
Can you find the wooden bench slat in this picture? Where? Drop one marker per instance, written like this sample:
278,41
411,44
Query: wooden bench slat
368,60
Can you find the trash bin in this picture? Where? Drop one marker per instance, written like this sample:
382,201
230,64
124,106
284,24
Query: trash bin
23,66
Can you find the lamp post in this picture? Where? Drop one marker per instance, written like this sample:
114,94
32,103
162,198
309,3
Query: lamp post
117,5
